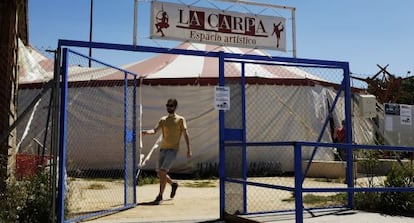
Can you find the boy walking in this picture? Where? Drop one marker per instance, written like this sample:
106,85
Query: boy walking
172,126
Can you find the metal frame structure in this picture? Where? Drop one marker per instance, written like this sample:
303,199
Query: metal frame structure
129,139
237,137
229,136
232,138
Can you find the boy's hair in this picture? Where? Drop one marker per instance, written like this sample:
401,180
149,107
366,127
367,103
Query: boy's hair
173,101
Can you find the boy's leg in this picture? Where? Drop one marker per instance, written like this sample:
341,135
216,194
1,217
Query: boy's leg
163,181
174,186
167,161
169,180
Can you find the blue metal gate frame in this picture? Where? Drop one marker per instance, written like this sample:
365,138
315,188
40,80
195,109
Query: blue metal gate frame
229,136
239,135
129,139
226,134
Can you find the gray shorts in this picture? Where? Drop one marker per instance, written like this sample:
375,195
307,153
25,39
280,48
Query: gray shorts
166,159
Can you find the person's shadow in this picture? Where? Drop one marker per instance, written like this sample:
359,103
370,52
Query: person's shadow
150,203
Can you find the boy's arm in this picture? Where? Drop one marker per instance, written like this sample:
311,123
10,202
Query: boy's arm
187,141
151,131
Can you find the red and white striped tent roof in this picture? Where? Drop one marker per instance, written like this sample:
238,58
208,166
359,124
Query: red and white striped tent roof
172,69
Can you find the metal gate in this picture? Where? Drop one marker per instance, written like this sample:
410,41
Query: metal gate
264,134
87,117
272,132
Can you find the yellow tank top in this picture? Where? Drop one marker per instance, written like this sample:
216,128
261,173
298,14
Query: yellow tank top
172,127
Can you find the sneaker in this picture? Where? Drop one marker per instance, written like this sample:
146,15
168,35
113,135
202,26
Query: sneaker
174,187
158,199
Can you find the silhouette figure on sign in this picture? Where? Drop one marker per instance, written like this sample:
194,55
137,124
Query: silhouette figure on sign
162,22
277,31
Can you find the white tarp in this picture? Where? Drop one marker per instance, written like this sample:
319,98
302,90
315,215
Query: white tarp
274,113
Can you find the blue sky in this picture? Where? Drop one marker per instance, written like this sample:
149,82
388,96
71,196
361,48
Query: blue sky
363,33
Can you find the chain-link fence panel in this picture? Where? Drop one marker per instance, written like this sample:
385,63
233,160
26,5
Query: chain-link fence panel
282,102
100,138
286,104
234,155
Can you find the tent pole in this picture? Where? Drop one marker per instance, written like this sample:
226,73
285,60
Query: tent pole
134,41
293,32
90,32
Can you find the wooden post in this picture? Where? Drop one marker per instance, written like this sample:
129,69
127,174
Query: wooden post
8,79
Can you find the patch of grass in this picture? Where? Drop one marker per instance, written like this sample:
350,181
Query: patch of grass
330,180
204,183
320,199
96,186
206,178
148,180
106,179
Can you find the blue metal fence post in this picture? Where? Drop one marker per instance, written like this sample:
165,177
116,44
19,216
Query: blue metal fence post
221,140
298,183
244,147
134,138
125,138
348,136
62,138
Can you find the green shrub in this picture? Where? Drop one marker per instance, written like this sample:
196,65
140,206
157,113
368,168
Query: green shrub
368,201
12,201
400,203
393,203
28,200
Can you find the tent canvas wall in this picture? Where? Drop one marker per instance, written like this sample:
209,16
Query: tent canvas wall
294,102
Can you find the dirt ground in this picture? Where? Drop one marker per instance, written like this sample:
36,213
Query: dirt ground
193,203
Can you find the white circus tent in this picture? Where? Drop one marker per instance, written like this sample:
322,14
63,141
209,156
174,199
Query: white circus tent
284,103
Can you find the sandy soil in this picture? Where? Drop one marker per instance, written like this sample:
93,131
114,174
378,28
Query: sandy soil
201,204
191,204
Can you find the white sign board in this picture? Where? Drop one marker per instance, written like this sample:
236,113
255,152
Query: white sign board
398,124
222,98
400,111
171,21
405,115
